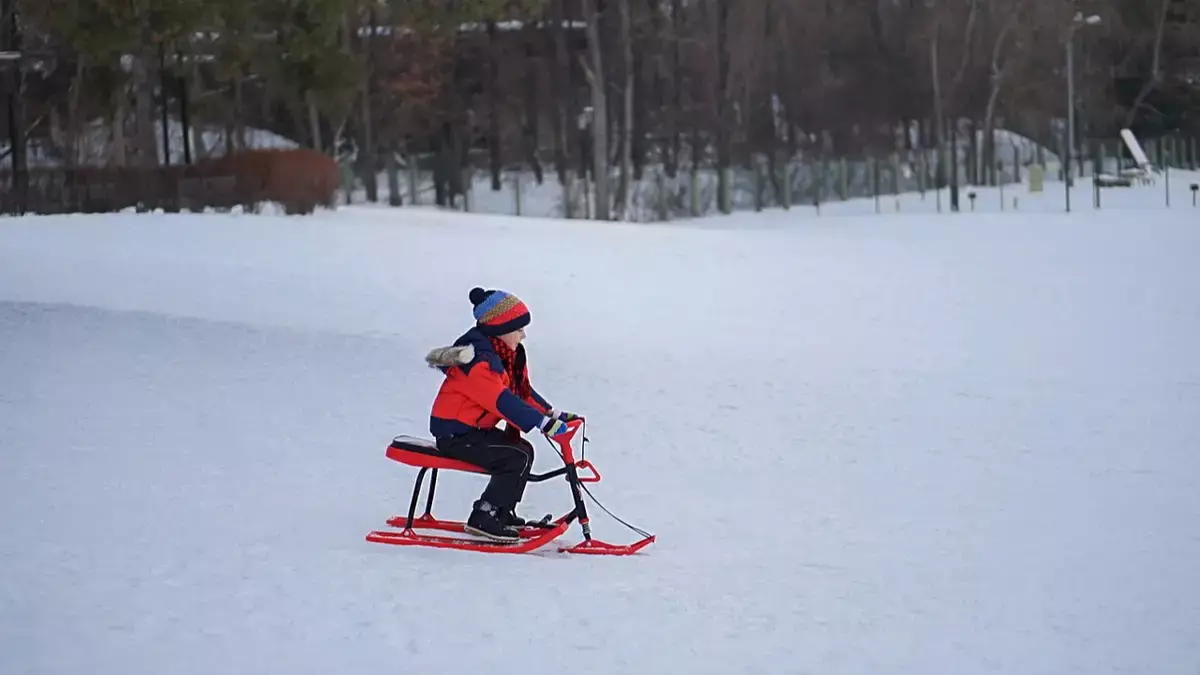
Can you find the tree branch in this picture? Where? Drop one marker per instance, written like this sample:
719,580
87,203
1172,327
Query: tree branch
1155,65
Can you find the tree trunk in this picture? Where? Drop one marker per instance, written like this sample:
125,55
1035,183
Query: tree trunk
120,145
239,111
939,114
724,154
999,73
560,73
368,156
941,95
146,141
641,61
1155,65
314,120
968,33
973,153
776,110
597,81
627,144
200,149
393,177
74,123
529,127
366,151
443,164
493,98
676,88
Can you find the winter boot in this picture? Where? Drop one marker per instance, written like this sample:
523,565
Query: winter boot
485,522
511,519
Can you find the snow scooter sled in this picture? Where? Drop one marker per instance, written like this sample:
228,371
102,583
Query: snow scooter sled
423,454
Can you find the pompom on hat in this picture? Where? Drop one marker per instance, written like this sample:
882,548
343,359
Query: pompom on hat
498,312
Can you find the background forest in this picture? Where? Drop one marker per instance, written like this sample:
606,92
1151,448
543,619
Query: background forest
571,89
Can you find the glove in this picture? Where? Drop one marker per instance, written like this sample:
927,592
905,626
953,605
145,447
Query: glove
564,415
554,427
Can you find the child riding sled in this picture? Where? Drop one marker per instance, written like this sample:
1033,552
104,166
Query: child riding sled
487,380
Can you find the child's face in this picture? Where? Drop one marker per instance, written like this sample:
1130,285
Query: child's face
514,338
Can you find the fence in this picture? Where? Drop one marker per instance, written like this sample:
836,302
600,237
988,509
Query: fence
804,180
46,191
296,179
695,190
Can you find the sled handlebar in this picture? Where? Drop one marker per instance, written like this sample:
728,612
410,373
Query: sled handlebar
572,428
564,441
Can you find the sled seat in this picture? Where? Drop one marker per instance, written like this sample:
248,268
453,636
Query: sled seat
422,453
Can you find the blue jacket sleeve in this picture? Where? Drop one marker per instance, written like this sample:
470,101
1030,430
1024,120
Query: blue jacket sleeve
540,400
519,412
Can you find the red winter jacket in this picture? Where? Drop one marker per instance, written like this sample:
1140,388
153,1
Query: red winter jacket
477,394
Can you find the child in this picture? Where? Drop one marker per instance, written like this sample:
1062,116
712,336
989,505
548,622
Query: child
487,380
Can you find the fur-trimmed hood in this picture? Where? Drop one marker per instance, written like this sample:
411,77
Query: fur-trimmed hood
448,357
469,349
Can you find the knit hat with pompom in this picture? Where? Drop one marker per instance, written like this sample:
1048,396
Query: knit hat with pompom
498,312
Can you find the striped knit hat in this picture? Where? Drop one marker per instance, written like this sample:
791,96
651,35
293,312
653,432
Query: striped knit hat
498,312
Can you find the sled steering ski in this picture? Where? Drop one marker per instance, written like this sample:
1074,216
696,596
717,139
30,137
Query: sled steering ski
424,455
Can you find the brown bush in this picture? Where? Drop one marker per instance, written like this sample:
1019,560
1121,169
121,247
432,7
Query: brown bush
299,179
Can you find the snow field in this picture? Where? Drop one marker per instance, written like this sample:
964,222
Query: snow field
867,444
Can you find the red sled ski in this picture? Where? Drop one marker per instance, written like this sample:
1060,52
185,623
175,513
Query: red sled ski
423,454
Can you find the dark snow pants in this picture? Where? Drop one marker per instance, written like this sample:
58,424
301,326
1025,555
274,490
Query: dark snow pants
506,456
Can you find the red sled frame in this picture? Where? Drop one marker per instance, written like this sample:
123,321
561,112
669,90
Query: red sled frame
425,456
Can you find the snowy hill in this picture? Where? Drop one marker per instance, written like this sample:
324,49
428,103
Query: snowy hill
867,444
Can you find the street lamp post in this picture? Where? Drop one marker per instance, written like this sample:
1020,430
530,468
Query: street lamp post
1068,179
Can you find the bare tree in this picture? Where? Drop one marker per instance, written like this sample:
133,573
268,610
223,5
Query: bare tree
1002,62
560,75
599,111
945,93
737,80
626,39
1155,77
724,124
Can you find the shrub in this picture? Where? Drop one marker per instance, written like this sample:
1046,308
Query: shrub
299,179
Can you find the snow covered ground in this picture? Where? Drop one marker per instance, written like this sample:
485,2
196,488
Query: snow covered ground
867,444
